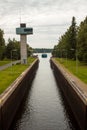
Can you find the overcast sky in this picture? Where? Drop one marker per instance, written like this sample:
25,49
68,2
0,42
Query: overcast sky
49,19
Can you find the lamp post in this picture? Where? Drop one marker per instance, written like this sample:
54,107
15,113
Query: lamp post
76,62
72,49
11,57
65,54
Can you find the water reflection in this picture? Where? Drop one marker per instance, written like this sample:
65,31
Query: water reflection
43,107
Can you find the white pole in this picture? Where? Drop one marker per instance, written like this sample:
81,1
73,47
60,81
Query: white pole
76,62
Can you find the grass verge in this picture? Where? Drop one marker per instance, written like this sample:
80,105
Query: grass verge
3,62
10,74
78,69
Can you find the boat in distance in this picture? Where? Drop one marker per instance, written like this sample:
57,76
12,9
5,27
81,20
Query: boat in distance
44,55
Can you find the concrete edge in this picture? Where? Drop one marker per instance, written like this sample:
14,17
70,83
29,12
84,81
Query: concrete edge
76,87
73,95
11,98
14,85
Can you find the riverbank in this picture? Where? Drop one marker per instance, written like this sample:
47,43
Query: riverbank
82,85
8,75
75,67
75,92
11,98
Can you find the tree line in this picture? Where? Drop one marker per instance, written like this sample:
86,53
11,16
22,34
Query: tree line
11,50
73,43
42,50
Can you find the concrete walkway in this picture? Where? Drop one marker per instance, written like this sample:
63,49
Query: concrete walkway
8,65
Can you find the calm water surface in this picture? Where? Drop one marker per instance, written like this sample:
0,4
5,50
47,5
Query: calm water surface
43,107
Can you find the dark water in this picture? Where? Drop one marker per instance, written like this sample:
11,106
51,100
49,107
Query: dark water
43,107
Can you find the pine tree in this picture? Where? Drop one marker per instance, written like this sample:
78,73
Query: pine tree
82,41
67,42
2,45
72,40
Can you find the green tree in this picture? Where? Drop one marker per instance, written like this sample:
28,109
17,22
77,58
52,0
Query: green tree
29,50
82,41
13,49
67,42
2,45
72,40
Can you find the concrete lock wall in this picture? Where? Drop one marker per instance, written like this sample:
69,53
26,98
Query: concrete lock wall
74,97
12,97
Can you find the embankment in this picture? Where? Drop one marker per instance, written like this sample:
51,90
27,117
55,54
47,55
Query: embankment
75,97
11,98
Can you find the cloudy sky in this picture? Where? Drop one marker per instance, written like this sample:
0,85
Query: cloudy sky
49,18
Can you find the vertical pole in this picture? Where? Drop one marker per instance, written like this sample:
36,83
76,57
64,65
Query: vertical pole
66,58
61,55
23,49
77,58
11,61
76,62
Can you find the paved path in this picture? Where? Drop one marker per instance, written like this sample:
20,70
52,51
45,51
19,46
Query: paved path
8,65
